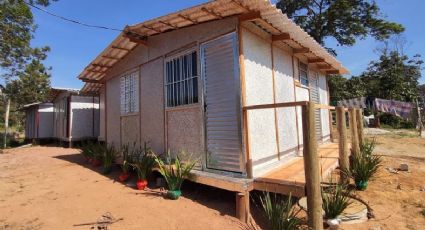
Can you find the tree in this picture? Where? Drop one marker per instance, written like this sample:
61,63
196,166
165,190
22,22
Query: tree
344,20
16,31
32,84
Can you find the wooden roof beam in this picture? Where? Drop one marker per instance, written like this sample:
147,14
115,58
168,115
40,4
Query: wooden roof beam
120,48
110,57
332,72
212,12
238,3
281,37
96,71
187,18
315,60
86,80
324,66
134,37
169,24
301,50
151,28
251,16
100,65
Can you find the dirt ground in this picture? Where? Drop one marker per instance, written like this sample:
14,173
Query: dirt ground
53,188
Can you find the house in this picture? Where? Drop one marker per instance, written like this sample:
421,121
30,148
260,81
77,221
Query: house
38,122
75,115
187,81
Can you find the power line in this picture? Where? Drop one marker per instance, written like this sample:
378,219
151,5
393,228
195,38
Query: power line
71,20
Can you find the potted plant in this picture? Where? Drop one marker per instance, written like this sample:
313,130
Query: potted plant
143,166
97,152
334,201
109,154
87,151
125,164
174,174
363,167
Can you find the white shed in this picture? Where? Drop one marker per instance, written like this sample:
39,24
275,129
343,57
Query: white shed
38,121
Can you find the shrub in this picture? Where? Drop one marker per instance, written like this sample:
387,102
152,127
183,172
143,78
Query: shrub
362,168
108,158
335,200
144,163
279,212
368,147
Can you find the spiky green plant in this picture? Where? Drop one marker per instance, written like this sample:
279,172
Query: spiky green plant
335,200
175,172
279,212
109,154
368,146
144,163
87,149
125,151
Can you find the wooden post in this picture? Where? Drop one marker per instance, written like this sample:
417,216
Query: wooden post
6,122
311,168
354,134
248,165
242,206
344,162
359,118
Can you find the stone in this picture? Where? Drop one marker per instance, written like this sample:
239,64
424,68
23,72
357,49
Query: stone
403,167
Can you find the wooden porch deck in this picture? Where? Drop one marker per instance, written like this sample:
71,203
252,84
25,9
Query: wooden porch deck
290,178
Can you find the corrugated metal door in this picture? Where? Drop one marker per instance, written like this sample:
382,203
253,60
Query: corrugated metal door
220,72
315,97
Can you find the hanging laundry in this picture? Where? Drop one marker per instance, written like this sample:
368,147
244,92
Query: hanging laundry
397,108
354,103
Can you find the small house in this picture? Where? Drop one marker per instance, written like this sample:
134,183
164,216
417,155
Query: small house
208,80
38,122
75,115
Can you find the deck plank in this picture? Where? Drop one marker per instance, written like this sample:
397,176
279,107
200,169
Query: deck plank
291,178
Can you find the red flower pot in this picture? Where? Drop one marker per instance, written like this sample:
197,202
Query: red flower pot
124,176
141,184
96,163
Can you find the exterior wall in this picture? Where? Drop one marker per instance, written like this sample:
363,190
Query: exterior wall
30,122
259,90
84,117
324,99
60,116
176,128
45,127
102,117
152,104
113,112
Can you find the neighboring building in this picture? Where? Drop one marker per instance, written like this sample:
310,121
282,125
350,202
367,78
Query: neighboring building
38,122
76,115
181,81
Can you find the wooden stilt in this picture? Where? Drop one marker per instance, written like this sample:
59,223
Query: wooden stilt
359,118
354,133
344,163
242,206
311,166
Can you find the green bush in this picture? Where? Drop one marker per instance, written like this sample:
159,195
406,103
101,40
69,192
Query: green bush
335,200
395,122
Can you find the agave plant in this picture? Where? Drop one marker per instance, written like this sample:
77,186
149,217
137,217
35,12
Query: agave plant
109,155
368,146
335,200
279,212
363,167
174,173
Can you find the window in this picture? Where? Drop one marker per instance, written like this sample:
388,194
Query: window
182,80
303,73
129,93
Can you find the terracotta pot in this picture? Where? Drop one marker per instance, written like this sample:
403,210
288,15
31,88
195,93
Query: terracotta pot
173,194
141,184
96,163
124,176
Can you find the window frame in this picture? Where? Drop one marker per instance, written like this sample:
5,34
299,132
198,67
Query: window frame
300,79
177,56
133,91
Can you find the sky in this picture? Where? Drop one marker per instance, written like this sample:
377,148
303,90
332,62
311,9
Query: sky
74,46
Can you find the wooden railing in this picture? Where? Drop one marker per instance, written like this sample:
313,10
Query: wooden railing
310,155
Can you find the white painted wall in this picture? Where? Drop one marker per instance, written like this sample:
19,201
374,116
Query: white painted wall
324,99
102,115
45,127
85,117
259,90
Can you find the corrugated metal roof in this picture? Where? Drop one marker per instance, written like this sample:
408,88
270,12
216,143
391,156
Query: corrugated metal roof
54,92
272,20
